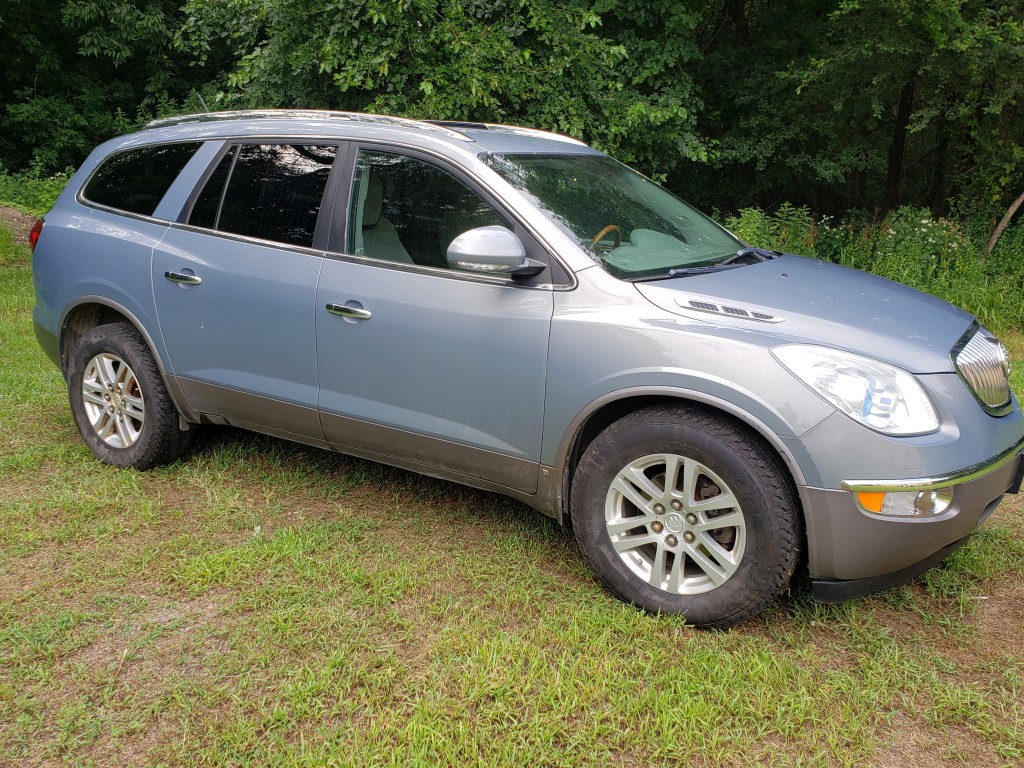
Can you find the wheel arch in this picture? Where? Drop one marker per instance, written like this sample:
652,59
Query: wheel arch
606,410
89,312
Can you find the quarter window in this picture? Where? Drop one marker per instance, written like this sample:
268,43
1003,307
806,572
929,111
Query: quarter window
135,180
274,192
407,210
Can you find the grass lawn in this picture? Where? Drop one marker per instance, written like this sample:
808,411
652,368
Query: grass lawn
265,603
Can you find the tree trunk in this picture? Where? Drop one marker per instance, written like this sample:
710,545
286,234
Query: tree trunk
894,175
1005,222
858,197
738,14
936,200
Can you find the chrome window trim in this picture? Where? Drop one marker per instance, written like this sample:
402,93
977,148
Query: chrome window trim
441,272
367,260
319,252
128,214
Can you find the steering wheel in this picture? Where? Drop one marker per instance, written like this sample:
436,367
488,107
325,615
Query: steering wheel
605,230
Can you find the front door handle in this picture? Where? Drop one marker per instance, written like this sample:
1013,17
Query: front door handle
355,313
178,277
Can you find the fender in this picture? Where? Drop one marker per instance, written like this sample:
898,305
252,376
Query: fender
187,413
784,449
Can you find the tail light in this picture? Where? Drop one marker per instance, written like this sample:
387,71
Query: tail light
33,236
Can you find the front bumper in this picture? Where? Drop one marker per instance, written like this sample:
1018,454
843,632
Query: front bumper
852,552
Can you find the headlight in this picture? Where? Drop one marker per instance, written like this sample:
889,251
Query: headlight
879,396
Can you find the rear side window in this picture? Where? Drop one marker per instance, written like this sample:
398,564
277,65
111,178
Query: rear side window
136,180
207,205
274,192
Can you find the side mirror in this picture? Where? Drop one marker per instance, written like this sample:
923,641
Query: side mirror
491,250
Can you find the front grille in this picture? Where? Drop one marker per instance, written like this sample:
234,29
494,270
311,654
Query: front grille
985,365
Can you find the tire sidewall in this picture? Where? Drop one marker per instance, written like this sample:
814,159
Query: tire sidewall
750,585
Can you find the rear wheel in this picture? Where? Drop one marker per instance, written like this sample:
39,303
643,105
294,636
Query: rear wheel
119,400
682,511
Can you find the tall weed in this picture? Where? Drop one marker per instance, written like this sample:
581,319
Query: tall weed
790,228
910,246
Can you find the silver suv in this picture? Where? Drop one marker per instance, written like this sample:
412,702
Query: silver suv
516,311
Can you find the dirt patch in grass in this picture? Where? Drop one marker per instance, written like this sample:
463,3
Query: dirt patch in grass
909,743
998,636
19,223
1000,618
142,658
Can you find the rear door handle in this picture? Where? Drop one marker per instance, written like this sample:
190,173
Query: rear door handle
355,313
178,277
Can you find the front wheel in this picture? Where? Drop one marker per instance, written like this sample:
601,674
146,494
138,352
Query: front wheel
119,400
681,511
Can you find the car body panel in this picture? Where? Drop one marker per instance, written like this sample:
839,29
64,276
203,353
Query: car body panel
604,341
247,329
896,458
452,359
846,543
834,305
116,272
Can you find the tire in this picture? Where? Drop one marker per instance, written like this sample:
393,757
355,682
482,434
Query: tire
119,400
659,547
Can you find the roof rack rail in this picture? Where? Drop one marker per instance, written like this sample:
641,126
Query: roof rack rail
462,125
459,124
309,114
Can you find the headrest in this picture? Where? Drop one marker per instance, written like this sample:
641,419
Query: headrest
372,205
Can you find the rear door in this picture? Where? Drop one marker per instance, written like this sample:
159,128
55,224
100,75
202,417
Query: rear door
235,285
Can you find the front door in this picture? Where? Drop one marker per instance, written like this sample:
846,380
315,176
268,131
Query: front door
429,364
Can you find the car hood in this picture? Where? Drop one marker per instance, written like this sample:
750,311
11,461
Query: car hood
804,300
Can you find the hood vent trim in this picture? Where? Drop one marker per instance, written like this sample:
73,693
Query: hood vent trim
724,310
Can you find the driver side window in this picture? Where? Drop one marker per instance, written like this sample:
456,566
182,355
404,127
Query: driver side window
406,210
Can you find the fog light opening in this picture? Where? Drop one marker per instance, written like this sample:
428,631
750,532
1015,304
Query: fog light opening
930,503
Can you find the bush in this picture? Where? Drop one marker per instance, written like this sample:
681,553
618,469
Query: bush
938,256
31,192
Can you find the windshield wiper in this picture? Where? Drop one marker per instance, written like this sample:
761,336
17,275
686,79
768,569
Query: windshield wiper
685,271
734,261
760,254
730,262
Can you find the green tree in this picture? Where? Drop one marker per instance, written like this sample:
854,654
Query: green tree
832,104
864,103
612,72
79,71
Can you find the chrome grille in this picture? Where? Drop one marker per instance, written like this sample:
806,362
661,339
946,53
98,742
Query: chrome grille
985,365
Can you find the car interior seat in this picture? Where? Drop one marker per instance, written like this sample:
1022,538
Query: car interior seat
379,238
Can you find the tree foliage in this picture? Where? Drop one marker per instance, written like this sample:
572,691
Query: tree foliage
865,103
80,71
832,104
592,71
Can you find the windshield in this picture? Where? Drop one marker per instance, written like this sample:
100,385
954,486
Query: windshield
634,228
